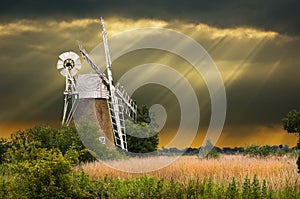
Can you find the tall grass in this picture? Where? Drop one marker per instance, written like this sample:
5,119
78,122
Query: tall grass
150,187
278,172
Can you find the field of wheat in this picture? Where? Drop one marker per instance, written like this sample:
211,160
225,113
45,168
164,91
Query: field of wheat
277,171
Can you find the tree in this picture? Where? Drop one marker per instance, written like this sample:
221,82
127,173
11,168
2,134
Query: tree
141,138
291,123
143,114
3,149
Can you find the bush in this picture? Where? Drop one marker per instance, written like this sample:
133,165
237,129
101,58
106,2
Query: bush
34,172
259,151
63,139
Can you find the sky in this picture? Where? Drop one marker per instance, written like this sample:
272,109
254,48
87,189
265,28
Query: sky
254,44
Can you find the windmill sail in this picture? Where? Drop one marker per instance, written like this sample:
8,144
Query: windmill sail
87,58
115,107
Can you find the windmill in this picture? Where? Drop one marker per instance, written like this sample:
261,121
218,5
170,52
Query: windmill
118,101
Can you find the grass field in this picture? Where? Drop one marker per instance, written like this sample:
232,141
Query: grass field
277,171
34,169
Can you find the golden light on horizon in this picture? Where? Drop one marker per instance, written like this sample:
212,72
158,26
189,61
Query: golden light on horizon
236,136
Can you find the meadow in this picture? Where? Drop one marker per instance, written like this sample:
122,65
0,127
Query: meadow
278,172
47,163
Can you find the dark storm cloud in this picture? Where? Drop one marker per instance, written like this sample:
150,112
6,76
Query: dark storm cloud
268,87
280,16
29,50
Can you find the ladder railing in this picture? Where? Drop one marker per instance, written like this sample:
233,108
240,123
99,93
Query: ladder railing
130,107
118,123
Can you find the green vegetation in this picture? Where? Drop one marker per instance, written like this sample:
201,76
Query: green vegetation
48,138
29,171
263,151
149,187
291,123
52,177
141,137
39,163
259,151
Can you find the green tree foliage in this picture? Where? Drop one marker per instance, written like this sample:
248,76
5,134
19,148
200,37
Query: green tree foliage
255,150
3,149
143,114
39,163
63,139
141,137
35,172
291,123
66,140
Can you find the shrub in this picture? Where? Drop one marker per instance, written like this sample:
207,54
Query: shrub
258,151
34,172
63,139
